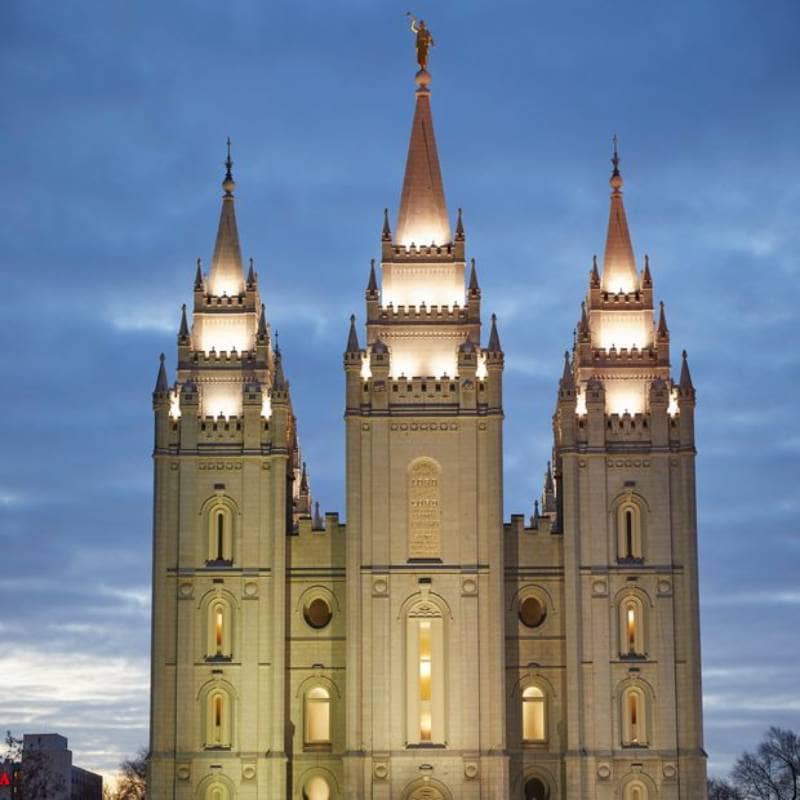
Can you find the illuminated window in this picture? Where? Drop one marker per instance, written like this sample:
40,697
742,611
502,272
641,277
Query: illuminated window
316,788
219,641
217,792
317,717
631,627
425,675
634,718
220,536
533,715
629,532
635,790
218,720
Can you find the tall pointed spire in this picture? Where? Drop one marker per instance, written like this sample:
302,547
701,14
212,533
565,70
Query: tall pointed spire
423,218
227,273
619,266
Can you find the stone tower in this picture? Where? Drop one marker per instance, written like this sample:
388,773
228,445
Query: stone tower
624,455
226,465
425,689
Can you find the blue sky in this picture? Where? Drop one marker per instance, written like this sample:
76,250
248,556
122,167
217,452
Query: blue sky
113,128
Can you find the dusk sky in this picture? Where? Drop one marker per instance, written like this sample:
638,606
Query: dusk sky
114,120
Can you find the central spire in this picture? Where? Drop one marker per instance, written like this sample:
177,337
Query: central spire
619,265
227,273
423,218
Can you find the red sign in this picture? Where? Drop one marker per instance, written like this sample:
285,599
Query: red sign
4,779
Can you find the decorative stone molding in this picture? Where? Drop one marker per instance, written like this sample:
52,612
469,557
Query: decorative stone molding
664,587
599,589
380,587
470,770
185,590
184,771
670,771
469,586
250,590
604,771
380,769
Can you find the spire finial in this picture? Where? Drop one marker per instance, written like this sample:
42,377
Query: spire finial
183,333
459,227
372,283
198,276
616,177
251,274
473,277
386,233
229,184
162,385
494,337
262,323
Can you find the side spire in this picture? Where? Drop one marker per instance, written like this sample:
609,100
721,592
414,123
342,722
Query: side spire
183,333
473,277
619,265
352,339
372,283
162,384
227,273
494,337
386,233
422,217
663,330
198,276
685,384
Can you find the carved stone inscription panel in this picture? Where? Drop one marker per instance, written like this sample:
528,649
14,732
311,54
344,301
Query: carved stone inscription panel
424,509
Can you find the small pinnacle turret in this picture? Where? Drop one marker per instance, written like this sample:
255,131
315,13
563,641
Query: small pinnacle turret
663,331
318,524
198,276
594,280
494,337
372,283
183,332
352,338
647,280
162,383
262,323
386,233
685,384
227,274
459,228
251,275
473,277
567,383
278,378
619,265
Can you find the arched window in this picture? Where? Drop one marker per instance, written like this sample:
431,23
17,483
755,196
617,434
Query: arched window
220,536
317,714
534,717
536,789
629,531
219,638
635,790
634,718
218,719
216,791
425,674
631,626
316,788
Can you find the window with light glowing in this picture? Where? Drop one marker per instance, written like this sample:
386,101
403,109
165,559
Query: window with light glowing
316,788
425,676
634,720
632,627
219,630
218,719
317,714
635,790
534,729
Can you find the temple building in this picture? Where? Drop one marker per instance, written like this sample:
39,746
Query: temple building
422,648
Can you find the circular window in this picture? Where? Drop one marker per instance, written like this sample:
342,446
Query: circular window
532,612
317,613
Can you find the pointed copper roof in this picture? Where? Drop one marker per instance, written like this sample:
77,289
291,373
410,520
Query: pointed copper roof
619,265
422,218
227,273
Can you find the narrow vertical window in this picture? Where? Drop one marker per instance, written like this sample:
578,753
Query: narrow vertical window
533,715
220,536
630,628
628,533
634,727
317,717
425,676
218,623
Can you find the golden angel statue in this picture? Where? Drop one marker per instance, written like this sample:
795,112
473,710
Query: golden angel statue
424,40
